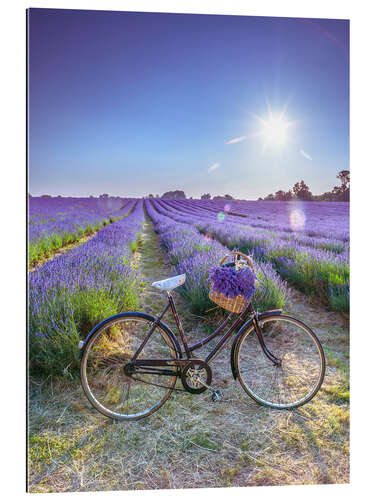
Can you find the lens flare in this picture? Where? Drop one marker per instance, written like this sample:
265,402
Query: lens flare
227,207
297,220
221,217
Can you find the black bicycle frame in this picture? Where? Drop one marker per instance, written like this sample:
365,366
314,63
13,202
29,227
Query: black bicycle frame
189,349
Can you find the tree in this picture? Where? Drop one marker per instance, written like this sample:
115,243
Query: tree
302,191
46,196
345,196
228,197
104,195
280,195
270,197
340,193
260,198
174,195
206,196
344,176
150,195
288,195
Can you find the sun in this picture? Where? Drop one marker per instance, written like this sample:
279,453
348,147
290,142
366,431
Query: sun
274,129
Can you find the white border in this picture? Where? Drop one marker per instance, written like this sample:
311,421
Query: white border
12,96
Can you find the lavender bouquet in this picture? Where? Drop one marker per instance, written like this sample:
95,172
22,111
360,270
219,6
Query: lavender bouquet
231,283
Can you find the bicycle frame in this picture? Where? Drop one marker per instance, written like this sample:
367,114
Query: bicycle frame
189,349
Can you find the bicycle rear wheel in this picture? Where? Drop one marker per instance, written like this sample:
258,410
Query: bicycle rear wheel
301,372
109,389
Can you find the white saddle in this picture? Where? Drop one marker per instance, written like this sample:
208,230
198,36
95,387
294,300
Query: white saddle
170,283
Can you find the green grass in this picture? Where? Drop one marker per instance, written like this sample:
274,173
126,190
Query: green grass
47,245
65,317
328,281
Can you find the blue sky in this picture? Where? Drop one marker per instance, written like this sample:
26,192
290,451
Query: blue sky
137,103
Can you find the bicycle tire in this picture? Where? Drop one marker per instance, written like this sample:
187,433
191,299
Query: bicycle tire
103,377
302,362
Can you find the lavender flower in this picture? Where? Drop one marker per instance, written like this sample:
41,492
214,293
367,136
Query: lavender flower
232,283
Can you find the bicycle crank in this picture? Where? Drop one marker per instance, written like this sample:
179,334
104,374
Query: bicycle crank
196,376
216,395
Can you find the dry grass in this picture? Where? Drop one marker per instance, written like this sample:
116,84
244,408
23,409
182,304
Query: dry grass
192,442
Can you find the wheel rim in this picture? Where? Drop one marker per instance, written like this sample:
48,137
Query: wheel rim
300,374
109,389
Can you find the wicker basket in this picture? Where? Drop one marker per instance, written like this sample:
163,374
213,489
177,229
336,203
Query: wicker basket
237,304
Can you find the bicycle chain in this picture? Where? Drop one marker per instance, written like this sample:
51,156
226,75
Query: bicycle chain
157,385
163,386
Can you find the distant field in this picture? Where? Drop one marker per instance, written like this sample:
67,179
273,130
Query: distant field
307,243
57,222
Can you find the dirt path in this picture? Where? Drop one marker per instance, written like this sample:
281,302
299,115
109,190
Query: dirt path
190,441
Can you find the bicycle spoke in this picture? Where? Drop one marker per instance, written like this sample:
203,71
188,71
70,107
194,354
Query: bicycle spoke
300,372
105,381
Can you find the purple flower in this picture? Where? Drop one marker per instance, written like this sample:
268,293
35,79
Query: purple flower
231,283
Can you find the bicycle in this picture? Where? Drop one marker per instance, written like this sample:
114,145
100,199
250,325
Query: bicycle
130,362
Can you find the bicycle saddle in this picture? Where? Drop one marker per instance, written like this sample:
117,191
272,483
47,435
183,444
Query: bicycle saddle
170,283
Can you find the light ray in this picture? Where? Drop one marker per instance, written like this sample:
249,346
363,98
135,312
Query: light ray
274,128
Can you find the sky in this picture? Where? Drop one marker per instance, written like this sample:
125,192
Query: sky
131,103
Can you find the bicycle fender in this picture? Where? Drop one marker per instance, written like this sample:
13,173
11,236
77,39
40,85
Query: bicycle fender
234,347
266,314
132,314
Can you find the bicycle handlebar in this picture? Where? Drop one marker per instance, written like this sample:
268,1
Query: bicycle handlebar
236,259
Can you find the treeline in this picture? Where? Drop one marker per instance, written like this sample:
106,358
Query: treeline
180,195
301,191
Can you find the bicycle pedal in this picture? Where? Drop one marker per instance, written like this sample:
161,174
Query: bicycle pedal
217,396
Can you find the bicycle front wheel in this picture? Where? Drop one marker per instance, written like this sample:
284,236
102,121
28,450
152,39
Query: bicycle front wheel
107,385
301,372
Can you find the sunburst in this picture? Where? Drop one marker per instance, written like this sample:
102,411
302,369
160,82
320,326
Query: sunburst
274,129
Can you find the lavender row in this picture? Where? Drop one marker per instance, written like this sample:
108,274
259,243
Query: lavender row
248,238
302,260
314,219
320,237
56,222
191,253
71,293
58,215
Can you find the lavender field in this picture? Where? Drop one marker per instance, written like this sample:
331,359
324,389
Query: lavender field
68,295
307,243
301,245
301,255
56,222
